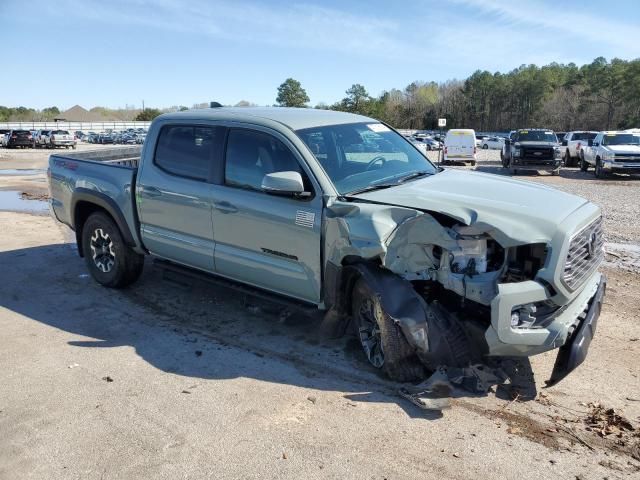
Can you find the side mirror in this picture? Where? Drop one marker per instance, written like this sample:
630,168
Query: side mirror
283,183
593,144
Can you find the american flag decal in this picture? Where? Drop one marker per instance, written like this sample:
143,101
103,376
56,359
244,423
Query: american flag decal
305,219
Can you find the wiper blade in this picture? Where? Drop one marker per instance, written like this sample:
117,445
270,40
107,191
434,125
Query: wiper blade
413,175
370,188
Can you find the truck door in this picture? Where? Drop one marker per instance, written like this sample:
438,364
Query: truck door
174,194
266,240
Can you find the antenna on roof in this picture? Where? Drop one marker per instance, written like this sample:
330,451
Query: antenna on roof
214,105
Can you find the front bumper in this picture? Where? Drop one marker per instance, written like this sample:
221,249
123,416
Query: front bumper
503,340
620,167
530,164
574,352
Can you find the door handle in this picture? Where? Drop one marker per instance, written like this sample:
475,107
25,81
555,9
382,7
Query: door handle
150,192
225,207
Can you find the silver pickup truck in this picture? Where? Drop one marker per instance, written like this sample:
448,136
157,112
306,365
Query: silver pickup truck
427,266
612,152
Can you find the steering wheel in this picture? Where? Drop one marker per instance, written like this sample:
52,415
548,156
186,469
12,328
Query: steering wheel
377,159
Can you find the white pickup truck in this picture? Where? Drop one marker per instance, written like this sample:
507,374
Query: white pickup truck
573,142
612,152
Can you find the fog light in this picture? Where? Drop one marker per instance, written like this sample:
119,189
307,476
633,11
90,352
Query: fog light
608,165
523,316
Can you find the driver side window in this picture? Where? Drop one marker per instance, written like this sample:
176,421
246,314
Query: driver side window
251,155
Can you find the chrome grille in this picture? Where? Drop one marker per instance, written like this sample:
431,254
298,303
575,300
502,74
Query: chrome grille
585,254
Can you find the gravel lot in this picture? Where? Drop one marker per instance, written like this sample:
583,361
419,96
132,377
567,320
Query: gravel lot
176,379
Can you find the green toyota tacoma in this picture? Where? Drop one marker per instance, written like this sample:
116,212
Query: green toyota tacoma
427,266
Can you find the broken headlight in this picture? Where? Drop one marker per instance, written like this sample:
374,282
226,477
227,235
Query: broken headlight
524,262
478,253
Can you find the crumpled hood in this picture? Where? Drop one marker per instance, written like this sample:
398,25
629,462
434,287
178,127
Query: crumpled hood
522,212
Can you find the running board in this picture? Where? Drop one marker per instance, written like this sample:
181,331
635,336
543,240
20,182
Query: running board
170,269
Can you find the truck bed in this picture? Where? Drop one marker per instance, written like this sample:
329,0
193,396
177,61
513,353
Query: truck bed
105,177
121,157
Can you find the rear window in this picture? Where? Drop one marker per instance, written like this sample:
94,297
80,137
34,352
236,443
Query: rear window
21,133
60,132
584,136
187,151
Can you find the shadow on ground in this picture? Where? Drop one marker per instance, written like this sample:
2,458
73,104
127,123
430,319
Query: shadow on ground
198,330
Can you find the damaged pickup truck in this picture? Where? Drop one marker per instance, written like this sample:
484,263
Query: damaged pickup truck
427,266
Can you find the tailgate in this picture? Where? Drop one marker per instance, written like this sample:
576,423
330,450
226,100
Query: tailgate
105,179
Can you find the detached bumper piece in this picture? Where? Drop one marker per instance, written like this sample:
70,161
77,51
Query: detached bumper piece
574,351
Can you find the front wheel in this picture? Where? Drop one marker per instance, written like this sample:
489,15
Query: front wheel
485,147
599,171
111,262
382,340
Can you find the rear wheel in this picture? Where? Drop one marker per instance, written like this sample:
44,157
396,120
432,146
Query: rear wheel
111,262
584,166
382,340
485,147
568,162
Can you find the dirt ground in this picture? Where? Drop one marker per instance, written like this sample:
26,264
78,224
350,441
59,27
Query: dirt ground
179,379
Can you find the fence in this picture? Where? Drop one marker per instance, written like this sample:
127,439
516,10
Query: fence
74,126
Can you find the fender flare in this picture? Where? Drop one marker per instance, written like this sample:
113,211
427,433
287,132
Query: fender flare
105,202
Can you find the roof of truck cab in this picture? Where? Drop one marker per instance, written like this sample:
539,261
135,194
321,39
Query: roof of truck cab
294,118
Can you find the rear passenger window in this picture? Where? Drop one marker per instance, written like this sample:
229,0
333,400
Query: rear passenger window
186,151
251,155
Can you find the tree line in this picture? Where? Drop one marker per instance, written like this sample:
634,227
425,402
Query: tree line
601,95
598,96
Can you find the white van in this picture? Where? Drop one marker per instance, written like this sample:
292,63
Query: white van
460,145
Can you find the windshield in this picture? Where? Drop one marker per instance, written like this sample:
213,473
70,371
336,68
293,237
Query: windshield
621,139
536,136
358,155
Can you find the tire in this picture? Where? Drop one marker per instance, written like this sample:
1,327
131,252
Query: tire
382,340
599,171
485,147
555,172
584,166
568,162
114,264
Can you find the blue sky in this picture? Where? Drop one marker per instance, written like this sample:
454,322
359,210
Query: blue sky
171,52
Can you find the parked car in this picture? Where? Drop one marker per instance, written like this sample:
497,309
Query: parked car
428,266
479,138
104,138
431,143
493,143
19,139
3,136
572,143
460,146
532,149
612,152
561,136
419,145
61,138
41,139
